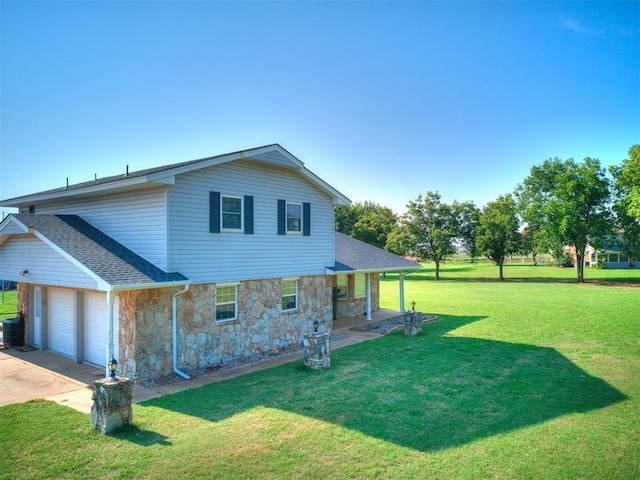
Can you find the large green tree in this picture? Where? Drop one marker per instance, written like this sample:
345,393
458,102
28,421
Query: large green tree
569,202
626,181
498,232
467,217
428,230
366,221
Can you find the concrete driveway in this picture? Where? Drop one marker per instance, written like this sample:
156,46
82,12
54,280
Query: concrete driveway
30,374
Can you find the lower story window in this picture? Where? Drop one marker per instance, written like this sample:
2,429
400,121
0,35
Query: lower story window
289,295
360,287
343,286
226,303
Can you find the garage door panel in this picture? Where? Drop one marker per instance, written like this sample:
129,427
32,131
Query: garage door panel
60,321
95,328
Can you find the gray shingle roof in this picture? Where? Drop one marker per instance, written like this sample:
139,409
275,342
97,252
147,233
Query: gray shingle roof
355,255
105,257
130,175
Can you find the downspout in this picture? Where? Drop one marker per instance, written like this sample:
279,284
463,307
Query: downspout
174,319
110,352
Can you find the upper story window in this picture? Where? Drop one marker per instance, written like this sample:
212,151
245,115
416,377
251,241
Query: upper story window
294,217
231,213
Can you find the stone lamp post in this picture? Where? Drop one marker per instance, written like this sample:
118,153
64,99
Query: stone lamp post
112,400
317,348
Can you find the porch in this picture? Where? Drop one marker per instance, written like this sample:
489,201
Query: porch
343,324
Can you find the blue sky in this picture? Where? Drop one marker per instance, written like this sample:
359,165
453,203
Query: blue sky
383,100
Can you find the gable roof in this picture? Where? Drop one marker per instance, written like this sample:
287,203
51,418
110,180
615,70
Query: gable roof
357,256
271,154
101,257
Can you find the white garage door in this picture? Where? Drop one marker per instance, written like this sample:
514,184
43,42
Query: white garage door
95,328
60,324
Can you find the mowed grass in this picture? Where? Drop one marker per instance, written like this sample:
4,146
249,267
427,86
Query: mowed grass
530,378
8,308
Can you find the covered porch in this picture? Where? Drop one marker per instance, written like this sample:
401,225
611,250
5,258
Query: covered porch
342,324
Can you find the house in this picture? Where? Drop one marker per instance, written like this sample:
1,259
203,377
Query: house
187,266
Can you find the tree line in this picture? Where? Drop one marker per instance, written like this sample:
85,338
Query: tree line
561,204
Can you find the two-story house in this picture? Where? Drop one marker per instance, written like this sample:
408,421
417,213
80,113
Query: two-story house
187,266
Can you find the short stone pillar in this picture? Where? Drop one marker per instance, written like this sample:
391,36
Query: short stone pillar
412,323
316,350
112,399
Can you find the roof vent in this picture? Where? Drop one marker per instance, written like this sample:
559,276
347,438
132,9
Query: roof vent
127,173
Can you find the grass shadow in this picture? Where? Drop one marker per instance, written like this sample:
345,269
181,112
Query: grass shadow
429,392
144,438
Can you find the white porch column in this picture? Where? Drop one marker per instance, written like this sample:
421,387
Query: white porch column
401,277
368,279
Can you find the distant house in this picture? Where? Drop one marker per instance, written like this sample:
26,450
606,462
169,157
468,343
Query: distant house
187,266
614,256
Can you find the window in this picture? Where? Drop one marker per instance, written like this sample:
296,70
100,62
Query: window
227,213
294,218
342,285
289,294
613,257
231,213
226,302
624,258
360,287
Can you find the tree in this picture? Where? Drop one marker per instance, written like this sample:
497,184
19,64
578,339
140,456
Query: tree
467,217
428,230
626,181
529,243
366,221
498,233
569,202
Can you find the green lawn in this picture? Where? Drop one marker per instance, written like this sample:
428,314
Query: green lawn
535,377
9,306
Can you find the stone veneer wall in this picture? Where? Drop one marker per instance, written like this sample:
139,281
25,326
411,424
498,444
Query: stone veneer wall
146,328
352,307
145,333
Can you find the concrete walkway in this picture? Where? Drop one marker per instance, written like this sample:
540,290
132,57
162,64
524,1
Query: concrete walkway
29,374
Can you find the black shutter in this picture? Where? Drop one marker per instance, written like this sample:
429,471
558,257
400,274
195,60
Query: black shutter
214,212
248,214
306,219
282,217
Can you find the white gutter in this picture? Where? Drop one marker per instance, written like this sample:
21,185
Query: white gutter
174,320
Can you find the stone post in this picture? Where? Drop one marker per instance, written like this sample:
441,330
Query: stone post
112,401
316,350
412,323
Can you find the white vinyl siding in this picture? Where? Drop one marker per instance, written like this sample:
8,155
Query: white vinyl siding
136,219
265,254
46,266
